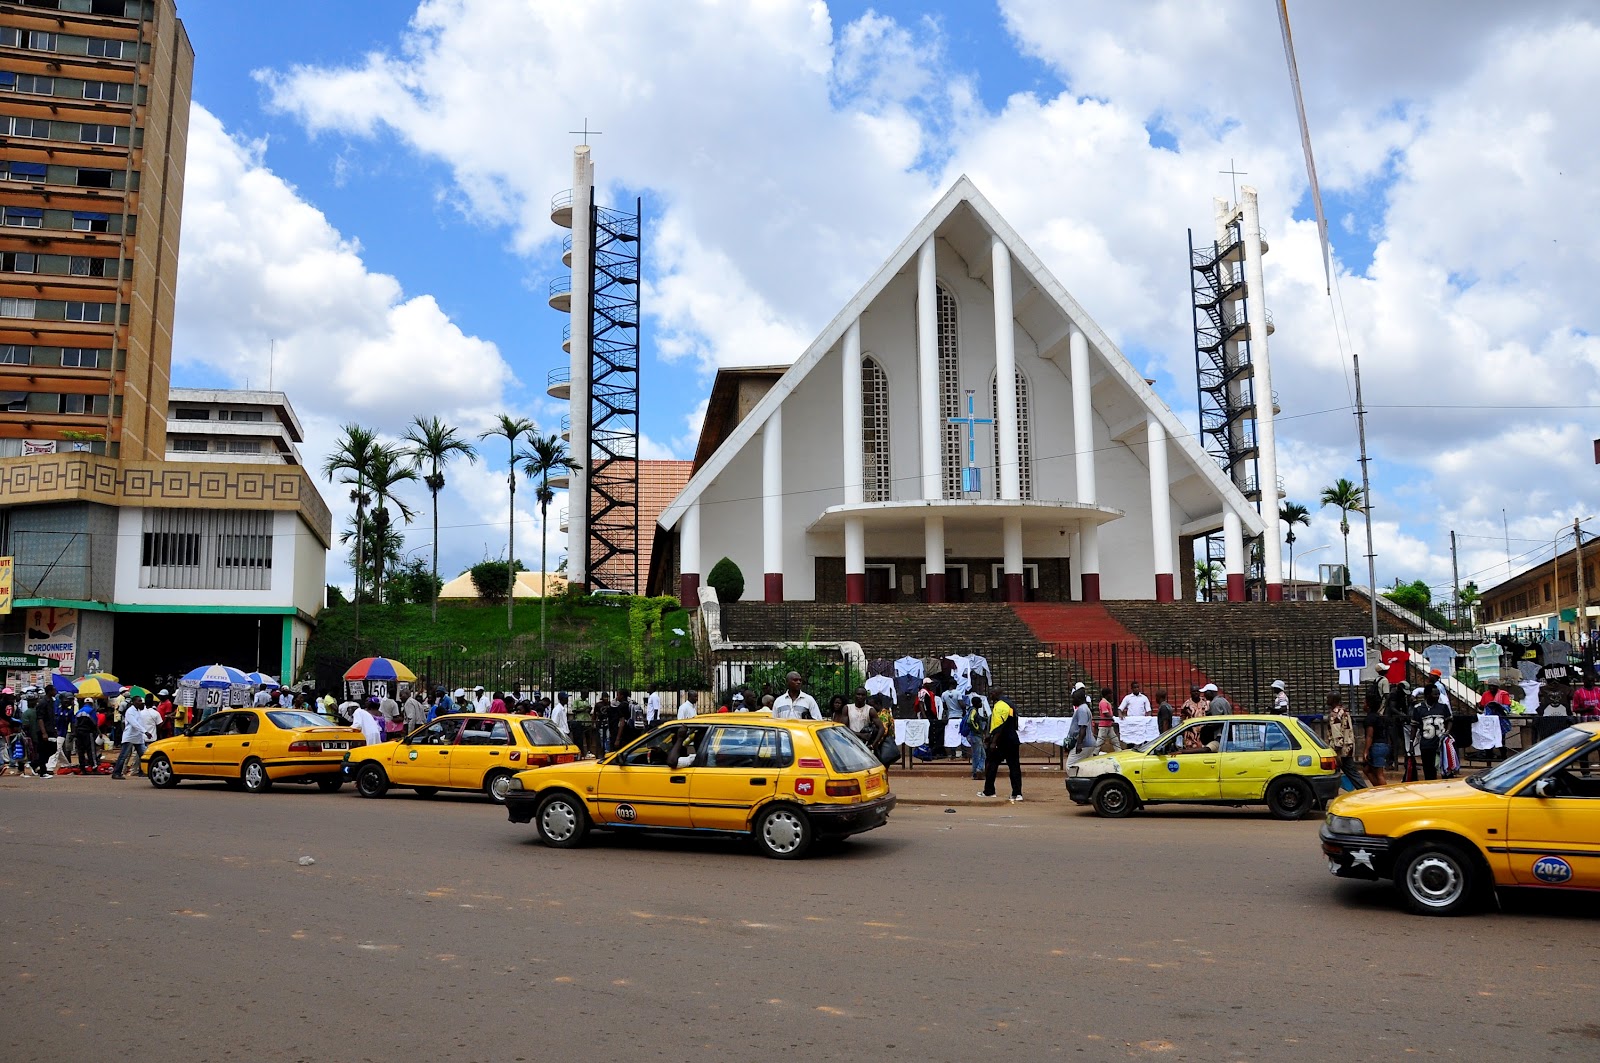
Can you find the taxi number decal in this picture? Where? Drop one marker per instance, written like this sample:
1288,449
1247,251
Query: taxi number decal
1172,765
1552,869
626,812
413,755
1303,761
804,787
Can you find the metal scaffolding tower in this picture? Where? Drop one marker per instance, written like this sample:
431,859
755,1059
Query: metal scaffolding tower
612,501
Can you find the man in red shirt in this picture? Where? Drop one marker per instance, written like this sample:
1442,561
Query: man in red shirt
1586,699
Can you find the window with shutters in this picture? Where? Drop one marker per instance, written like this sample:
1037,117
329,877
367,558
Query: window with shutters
875,481
1024,436
949,392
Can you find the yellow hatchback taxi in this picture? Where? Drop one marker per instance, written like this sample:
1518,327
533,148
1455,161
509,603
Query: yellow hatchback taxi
1532,820
1214,760
250,749
460,751
782,783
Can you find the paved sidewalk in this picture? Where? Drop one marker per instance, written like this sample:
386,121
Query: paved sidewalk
945,789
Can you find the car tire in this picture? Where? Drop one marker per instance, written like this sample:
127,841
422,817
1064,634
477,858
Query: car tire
1114,799
496,785
783,832
1290,798
254,778
371,781
561,820
427,791
162,777
330,784
1437,878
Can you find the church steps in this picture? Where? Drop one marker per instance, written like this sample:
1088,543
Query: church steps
1077,627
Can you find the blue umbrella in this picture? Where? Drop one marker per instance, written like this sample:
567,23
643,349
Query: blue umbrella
260,679
216,676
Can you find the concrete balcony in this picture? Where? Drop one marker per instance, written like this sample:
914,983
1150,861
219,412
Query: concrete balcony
560,480
566,427
561,209
566,337
558,385
566,251
561,294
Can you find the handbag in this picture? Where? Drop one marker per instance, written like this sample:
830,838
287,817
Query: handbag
888,750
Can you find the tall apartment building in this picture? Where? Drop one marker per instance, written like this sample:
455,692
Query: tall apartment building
125,547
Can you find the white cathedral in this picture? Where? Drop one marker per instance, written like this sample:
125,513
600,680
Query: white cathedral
962,431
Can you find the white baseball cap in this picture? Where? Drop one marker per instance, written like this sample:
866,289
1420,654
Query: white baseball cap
1209,688
1277,684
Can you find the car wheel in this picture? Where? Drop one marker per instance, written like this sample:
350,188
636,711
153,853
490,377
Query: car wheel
371,781
1437,878
562,821
497,784
1290,797
253,776
1114,799
330,784
783,832
162,777
427,791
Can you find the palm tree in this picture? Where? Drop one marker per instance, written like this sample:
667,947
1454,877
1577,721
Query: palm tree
1292,513
351,459
546,454
1467,598
389,469
1346,498
379,545
511,429
436,443
1206,574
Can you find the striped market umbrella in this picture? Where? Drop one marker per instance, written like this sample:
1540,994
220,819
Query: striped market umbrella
62,684
91,687
101,675
216,676
381,668
261,679
137,691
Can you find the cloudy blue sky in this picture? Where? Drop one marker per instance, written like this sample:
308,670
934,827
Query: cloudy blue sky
368,191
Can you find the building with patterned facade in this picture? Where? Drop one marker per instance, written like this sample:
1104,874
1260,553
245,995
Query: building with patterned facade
131,549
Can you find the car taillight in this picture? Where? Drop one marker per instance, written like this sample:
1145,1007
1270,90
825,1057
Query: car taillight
844,788
301,745
1330,763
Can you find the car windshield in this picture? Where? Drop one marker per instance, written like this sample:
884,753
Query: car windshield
541,733
846,751
288,721
1501,778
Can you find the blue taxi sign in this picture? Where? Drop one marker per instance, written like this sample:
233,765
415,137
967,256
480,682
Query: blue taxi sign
1350,652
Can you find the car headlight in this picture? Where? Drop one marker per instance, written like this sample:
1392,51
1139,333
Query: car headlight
515,784
1346,825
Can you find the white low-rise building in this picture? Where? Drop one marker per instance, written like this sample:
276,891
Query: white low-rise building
211,424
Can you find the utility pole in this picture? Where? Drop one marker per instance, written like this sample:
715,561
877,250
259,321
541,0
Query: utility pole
1366,499
1455,583
1555,579
1583,590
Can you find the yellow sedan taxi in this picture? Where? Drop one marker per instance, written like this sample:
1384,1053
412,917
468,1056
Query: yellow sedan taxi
250,749
1214,760
1533,820
461,751
782,783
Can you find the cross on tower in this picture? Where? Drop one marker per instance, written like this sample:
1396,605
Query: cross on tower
971,476
1236,175
585,132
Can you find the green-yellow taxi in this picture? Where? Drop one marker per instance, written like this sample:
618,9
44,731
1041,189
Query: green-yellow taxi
1214,760
1533,821
782,783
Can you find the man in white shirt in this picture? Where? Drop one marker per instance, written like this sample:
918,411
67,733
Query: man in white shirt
138,729
368,723
794,703
415,712
484,701
558,714
687,710
652,708
1135,703
263,699
285,698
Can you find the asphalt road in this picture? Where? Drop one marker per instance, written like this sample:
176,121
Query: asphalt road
179,925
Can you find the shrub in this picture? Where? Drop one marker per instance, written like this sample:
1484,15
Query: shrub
726,580
489,579
336,596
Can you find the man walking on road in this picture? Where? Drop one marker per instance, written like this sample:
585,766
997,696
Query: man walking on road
138,729
1080,732
1003,744
794,703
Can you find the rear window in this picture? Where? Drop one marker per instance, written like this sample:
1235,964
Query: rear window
845,751
289,721
541,733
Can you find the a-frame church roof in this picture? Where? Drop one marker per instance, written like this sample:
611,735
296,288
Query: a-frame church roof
1033,284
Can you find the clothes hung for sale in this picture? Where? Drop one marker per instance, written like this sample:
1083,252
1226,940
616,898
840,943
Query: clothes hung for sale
908,675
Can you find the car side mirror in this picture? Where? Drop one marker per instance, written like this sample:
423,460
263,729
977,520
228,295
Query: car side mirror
1545,787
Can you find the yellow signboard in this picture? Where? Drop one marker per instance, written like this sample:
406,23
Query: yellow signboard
6,568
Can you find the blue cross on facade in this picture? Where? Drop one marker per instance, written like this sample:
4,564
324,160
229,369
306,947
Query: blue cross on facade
971,476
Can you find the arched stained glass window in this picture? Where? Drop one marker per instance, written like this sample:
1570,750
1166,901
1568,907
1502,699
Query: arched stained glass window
875,484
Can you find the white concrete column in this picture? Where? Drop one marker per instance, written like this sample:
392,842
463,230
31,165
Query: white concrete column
772,505
928,371
933,550
1160,509
1266,436
689,556
1011,558
851,415
578,363
1083,446
1009,475
1233,554
855,560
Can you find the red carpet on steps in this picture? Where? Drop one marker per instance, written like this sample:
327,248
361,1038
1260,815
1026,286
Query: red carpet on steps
1086,625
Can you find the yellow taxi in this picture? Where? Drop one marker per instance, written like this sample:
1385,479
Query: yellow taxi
250,749
1532,820
460,751
782,783
1214,760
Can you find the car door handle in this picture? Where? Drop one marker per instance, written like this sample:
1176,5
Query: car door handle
244,743
758,782
494,752
678,778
